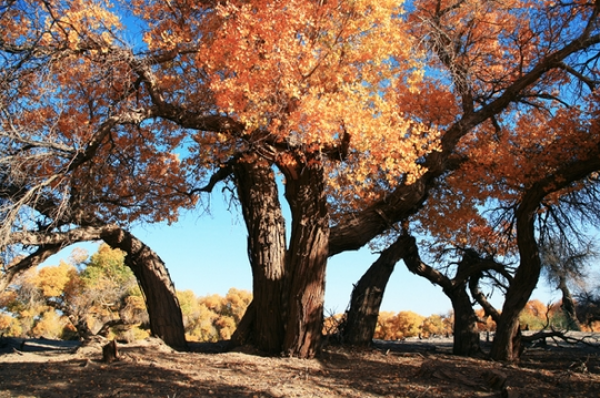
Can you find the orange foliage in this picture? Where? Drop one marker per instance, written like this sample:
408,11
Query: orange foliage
488,325
213,317
392,326
300,74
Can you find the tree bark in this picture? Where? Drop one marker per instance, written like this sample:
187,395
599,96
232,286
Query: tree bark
361,317
466,336
568,305
263,322
507,343
166,321
306,258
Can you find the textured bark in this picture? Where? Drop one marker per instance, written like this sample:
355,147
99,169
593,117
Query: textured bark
466,334
263,322
166,320
361,319
306,259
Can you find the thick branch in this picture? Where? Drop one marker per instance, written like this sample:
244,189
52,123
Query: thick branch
406,200
33,260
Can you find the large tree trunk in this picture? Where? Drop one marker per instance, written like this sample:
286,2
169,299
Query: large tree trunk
361,318
507,343
306,259
466,335
263,322
162,303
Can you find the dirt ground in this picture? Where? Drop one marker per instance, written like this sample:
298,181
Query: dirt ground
47,368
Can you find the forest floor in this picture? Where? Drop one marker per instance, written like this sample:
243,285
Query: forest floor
413,368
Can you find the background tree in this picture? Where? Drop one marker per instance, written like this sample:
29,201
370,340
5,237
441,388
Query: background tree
588,310
213,318
76,163
564,266
101,296
482,107
398,326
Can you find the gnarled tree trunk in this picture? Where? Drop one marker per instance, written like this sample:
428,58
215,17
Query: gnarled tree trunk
162,303
361,317
263,322
466,334
507,343
306,259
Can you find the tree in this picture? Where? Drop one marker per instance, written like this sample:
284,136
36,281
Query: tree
213,318
564,265
331,61
76,163
507,344
588,310
436,325
363,313
398,326
477,111
320,90
98,296
470,57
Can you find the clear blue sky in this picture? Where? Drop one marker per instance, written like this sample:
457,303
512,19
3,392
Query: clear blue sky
207,254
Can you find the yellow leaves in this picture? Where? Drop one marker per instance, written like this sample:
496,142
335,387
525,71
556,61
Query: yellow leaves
53,280
50,326
81,22
214,317
392,326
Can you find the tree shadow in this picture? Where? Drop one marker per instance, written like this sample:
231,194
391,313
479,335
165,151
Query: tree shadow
77,378
150,371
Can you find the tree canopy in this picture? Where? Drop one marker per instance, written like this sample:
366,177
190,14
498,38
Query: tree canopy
382,117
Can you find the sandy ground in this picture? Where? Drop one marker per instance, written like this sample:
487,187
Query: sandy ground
413,368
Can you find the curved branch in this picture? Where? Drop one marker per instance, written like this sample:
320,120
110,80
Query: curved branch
33,260
481,298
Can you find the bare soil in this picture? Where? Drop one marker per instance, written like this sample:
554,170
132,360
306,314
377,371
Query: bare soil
48,368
